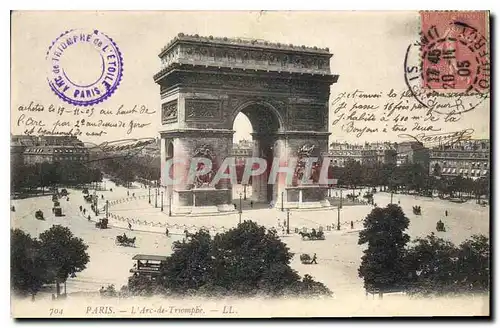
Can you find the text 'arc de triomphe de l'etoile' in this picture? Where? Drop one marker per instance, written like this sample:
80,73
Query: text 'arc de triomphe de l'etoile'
283,90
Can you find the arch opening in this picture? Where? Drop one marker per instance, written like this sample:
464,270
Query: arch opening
256,126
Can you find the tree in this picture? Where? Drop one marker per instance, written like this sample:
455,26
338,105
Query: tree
353,172
474,263
437,266
245,261
250,258
190,265
382,265
27,268
432,266
436,170
63,253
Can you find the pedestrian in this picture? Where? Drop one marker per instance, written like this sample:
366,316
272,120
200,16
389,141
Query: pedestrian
446,213
80,208
234,206
352,225
84,210
166,232
314,259
129,226
251,203
88,217
102,196
133,194
128,194
399,202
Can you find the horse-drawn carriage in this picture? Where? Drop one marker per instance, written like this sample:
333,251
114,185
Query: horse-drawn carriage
368,195
88,198
102,224
39,215
64,192
55,198
417,210
440,226
57,210
313,235
307,259
123,240
352,197
85,191
149,266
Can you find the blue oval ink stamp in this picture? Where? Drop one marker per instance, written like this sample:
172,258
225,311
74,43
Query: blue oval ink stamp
85,67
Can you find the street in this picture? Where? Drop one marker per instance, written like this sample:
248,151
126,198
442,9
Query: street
338,256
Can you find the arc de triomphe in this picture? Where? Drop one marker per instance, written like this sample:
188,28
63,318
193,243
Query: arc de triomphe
206,81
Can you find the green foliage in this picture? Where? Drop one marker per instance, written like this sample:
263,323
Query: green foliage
125,170
437,266
243,255
409,177
431,263
382,265
27,268
51,258
245,261
191,264
27,177
474,263
63,253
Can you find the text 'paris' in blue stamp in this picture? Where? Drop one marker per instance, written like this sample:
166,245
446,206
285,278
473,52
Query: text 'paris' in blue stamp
85,67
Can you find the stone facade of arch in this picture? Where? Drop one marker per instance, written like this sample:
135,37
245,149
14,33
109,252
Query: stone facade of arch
206,82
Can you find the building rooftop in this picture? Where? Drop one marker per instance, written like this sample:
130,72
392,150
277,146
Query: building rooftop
243,42
143,257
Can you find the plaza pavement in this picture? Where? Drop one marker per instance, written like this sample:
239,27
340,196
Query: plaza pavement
339,255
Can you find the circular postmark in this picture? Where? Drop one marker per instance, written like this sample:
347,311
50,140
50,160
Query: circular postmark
84,67
448,69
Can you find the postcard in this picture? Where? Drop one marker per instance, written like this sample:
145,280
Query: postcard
250,164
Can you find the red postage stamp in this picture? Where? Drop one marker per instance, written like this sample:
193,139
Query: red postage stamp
455,50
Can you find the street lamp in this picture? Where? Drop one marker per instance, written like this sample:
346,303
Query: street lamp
107,206
287,221
170,203
282,197
162,201
156,198
149,194
338,211
240,211
245,192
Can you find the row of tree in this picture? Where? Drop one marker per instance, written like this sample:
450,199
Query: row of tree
52,258
248,260
429,265
125,170
409,177
26,177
